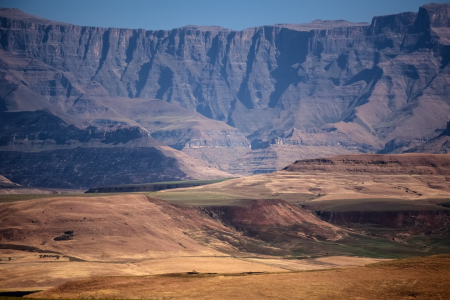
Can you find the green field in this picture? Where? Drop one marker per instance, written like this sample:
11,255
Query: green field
203,182
153,186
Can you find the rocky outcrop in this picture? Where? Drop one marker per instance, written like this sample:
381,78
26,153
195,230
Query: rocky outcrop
433,15
399,23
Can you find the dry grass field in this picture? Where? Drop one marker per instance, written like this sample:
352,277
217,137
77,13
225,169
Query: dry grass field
399,177
46,242
415,278
305,187
40,275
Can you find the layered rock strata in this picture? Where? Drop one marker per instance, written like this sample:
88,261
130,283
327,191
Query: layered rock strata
326,86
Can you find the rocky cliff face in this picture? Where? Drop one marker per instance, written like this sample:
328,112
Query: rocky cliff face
335,85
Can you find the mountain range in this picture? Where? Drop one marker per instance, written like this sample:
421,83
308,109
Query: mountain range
86,106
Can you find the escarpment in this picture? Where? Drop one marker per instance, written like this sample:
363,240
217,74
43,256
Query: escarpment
247,101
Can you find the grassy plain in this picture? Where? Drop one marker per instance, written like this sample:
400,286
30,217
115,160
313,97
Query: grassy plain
31,275
301,188
414,278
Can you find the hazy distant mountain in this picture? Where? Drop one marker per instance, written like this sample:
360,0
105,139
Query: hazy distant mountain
288,91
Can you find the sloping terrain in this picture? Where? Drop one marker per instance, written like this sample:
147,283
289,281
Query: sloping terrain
244,102
10,188
104,228
47,241
40,149
403,197
5,182
439,144
133,226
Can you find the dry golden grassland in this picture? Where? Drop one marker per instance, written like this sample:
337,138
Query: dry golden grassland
414,278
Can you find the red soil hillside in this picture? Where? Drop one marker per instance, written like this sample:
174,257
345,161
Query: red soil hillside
271,213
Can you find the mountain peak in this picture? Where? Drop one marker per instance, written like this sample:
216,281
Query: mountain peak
17,14
434,15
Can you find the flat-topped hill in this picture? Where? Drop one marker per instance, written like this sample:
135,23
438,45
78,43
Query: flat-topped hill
411,164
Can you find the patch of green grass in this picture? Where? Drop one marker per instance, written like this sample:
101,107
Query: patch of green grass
373,205
154,186
375,247
361,246
432,244
203,182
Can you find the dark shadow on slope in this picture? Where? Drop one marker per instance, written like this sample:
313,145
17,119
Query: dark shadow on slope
132,44
411,72
165,82
445,57
293,48
377,73
225,60
18,294
244,92
105,49
143,77
213,51
366,75
342,61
